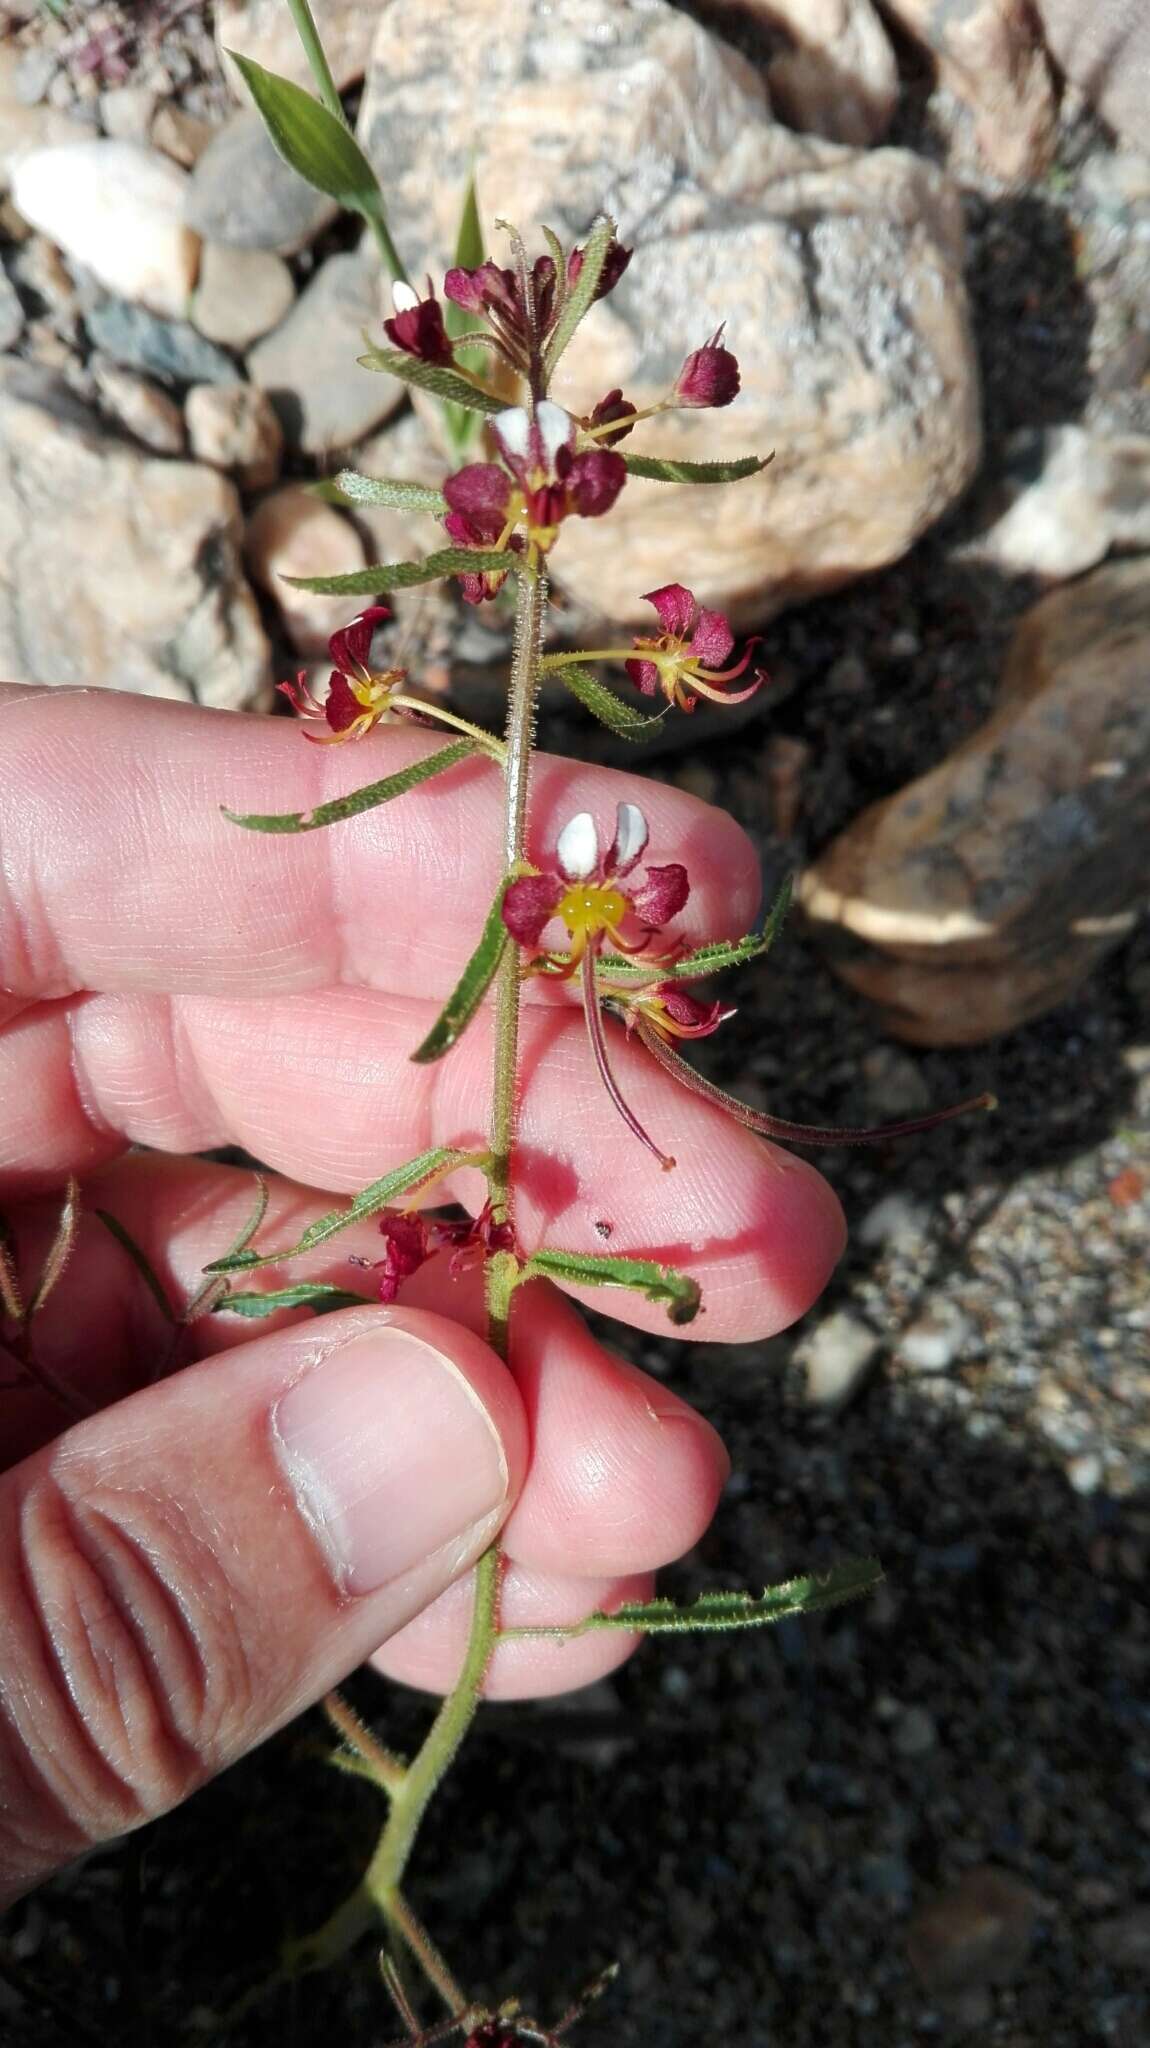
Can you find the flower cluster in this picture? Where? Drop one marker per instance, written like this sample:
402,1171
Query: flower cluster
357,695
519,502
411,1239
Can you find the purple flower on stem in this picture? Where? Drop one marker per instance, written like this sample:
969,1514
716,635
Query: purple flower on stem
417,326
683,668
357,696
540,482
670,1009
589,891
710,375
522,310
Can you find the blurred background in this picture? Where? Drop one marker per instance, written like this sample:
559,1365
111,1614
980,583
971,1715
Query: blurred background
927,224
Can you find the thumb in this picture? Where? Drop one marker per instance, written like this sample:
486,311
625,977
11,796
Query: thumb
184,1572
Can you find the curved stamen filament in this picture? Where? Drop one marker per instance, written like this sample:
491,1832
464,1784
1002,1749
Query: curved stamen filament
598,1039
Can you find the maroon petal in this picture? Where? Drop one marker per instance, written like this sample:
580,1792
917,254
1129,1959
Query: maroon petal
661,896
710,375
713,640
676,607
543,277
528,905
408,1247
342,707
614,264
594,481
613,407
351,646
478,290
644,675
419,331
694,1017
479,493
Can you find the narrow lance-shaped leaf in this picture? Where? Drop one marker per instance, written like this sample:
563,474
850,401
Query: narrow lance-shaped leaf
676,1292
470,989
462,424
604,705
712,958
715,1611
402,575
582,292
141,1262
348,487
788,1133
213,1287
309,138
402,1180
666,469
60,1250
311,1294
357,800
438,378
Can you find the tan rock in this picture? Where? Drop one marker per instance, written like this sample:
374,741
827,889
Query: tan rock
839,273
139,406
983,894
263,29
1073,496
234,427
243,194
24,128
155,598
1104,47
294,534
836,76
309,367
126,112
241,295
182,136
116,208
989,55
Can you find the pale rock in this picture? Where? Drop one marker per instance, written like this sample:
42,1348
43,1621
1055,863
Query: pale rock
182,136
115,208
308,366
242,193
405,452
837,75
234,427
264,31
293,534
1103,46
155,597
983,893
34,72
898,1221
977,1933
241,295
837,1356
163,348
126,112
1075,496
11,312
839,273
935,1340
138,406
989,55
24,128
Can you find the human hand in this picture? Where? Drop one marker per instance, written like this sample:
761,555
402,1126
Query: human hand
199,1559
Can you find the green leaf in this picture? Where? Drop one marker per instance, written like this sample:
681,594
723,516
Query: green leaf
402,1180
603,704
357,800
401,575
714,1611
350,488
437,378
462,425
470,989
712,958
140,1261
662,469
582,292
309,138
676,1292
209,1294
313,1294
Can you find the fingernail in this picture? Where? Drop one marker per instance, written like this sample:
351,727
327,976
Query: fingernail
391,1456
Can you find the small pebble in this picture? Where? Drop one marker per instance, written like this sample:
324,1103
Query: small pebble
838,1356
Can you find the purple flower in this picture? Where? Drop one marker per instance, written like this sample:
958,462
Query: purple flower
686,669
710,375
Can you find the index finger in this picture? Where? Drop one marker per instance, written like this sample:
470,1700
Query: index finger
119,872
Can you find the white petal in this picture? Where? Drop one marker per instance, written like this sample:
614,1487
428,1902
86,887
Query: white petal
556,429
512,429
578,849
403,298
630,838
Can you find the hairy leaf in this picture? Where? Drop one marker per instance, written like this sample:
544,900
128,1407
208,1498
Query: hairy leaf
712,958
402,1180
611,711
676,1292
401,575
60,1249
470,989
582,292
357,800
350,487
714,1611
313,1294
309,138
438,378
665,469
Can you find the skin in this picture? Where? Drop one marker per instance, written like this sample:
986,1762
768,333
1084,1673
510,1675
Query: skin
169,981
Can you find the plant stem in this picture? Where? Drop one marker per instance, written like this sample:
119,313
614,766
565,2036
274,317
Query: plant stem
313,49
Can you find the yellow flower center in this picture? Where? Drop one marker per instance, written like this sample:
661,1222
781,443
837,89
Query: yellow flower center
589,908
373,688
